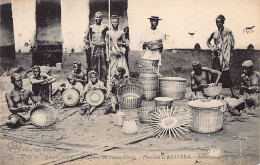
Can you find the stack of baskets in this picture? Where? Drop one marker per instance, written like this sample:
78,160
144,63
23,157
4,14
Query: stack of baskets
149,77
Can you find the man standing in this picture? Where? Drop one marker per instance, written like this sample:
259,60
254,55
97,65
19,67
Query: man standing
18,103
221,51
95,40
116,43
153,41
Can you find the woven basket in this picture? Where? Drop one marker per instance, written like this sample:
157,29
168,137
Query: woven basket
149,69
163,101
211,90
207,116
149,62
144,114
130,95
149,95
174,87
42,115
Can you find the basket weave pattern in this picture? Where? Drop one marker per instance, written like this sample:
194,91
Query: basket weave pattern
212,90
144,114
130,96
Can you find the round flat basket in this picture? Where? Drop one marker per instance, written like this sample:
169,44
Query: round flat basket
42,116
70,97
95,97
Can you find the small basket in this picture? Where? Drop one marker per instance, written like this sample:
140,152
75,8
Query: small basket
149,62
163,101
211,90
130,96
144,114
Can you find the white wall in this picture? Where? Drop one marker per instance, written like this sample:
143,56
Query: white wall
74,22
24,24
183,16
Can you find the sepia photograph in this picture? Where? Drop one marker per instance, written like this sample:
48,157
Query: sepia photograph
129,82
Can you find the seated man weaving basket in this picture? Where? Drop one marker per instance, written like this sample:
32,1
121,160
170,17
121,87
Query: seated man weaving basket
117,80
18,103
249,90
93,84
200,78
250,84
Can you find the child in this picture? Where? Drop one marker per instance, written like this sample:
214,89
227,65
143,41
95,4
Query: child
93,84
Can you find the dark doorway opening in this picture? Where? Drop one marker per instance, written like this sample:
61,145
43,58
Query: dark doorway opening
48,48
119,7
98,5
7,47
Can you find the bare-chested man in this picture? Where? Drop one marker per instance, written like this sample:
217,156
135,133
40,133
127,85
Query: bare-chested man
200,76
250,83
41,84
79,75
116,43
95,40
18,103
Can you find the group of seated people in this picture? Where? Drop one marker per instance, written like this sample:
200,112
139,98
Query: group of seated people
249,90
18,100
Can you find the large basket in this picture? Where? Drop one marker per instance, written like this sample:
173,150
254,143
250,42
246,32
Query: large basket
144,114
130,95
207,116
149,62
211,90
174,87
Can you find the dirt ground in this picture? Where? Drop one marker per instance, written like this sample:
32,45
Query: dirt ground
73,134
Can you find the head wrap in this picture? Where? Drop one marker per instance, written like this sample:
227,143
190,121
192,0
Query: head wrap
99,13
15,76
196,63
221,18
90,73
247,63
36,67
76,63
115,16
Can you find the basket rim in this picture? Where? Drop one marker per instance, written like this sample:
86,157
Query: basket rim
173,79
